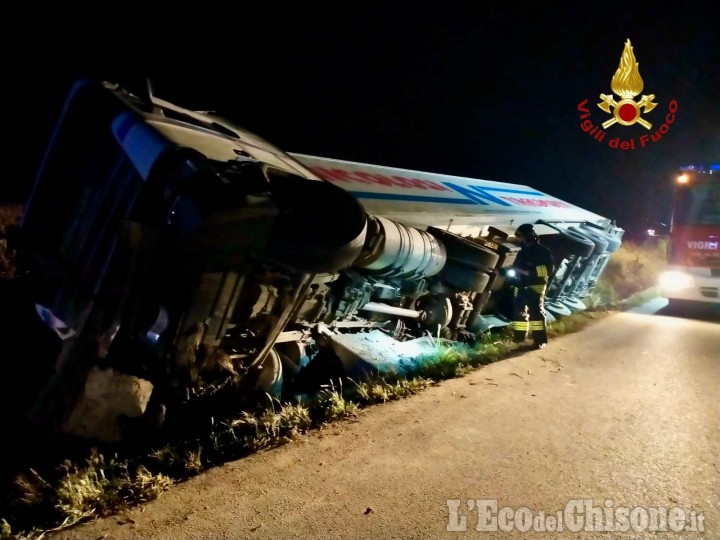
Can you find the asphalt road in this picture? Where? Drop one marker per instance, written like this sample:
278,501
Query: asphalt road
623,415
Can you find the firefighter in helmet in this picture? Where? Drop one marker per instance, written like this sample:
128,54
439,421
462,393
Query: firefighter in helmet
534,266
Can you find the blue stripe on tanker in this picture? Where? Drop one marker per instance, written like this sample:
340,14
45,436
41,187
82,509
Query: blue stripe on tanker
416,198
475,194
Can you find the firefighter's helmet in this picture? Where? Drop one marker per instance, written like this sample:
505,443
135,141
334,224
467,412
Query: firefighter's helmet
526,231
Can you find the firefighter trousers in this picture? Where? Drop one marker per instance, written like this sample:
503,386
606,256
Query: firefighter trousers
529,314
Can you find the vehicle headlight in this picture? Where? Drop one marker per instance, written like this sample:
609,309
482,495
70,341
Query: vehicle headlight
676,281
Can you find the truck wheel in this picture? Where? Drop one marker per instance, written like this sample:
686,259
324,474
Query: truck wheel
436,309
574,243
465,251
270,378
600,242
464,277
614,242
557,309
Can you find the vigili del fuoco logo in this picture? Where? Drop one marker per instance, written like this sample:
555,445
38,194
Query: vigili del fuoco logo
625,110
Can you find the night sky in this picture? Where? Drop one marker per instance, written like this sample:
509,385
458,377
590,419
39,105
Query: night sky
481,92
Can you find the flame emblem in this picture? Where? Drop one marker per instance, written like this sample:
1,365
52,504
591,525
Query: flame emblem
627,84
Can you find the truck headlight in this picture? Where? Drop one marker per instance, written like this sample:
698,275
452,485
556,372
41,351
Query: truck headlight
676,281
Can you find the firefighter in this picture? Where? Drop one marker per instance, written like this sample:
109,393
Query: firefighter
534,266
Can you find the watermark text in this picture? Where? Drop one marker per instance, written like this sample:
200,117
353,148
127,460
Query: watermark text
577,515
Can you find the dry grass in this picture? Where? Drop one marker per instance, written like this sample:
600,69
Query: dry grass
95,488
380,390
632,269
10,214
574,323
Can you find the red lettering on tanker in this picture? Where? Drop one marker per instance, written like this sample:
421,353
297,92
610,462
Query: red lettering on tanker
522,201
342,175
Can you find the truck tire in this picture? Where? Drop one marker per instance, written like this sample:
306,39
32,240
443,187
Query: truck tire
574,243
464,277
614,242
600,243
464,251
557,309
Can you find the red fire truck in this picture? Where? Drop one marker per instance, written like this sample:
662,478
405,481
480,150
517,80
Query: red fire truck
693,272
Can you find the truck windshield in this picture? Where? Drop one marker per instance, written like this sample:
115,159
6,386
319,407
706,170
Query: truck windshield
698,205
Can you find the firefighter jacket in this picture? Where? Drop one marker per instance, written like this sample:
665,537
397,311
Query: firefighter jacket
538,261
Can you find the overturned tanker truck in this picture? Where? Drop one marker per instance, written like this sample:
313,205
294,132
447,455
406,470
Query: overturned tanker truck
177,258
